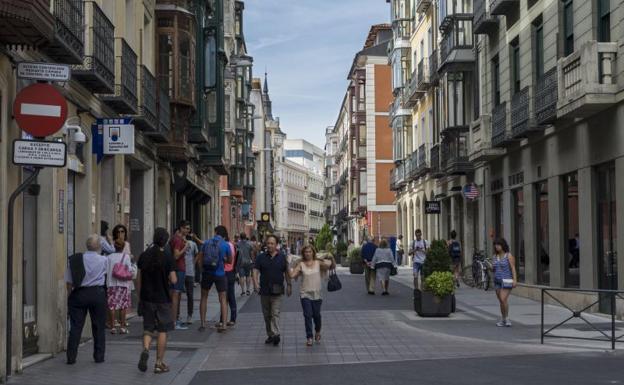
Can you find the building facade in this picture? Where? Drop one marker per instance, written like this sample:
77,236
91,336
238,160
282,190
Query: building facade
360,146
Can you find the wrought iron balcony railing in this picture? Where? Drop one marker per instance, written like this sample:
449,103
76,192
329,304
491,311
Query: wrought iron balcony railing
435,169
456,51
500,134
504,7
521,120
68,43
161,134
26,22
147,119
483,22
545,101
433,67
423,75
124,100
402,28
423,164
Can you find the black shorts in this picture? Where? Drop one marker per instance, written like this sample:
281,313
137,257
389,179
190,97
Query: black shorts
208,279
157,317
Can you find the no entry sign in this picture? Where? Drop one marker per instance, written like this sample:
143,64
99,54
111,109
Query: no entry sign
40,110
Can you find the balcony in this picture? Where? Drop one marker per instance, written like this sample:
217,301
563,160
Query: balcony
26,22
455,159
480,143
522,121
545,101
397,177
97,71
504,7
402,30
434,157
483,22
424,80
68,43
146,119
423,5
411,166
423,165
452,11
413,94
433,67
124,100
456,53
500,135
163,124
586,83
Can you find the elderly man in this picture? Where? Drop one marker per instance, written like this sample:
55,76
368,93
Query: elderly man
85,277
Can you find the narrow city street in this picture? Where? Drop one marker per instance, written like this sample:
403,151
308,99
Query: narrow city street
366,340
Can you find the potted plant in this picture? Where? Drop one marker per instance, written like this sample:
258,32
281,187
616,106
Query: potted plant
436,297
355,261
341,251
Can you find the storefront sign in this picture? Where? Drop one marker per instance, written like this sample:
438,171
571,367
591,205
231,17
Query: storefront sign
118,139
43,71
39,153
432,207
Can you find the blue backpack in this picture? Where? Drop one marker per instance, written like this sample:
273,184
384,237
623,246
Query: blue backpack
455,250
211,250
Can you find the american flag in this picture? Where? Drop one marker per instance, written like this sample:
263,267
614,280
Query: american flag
471,192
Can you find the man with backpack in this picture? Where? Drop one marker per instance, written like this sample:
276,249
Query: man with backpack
244,263
418,251
214,253
455,252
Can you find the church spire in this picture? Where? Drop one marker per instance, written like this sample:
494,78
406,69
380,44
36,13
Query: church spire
266,100
266,83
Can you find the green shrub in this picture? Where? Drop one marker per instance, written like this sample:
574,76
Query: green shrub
438,258
440,283
323,238
355,255
341,249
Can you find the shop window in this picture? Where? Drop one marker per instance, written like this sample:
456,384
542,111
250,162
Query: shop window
571,233
543,258
518,223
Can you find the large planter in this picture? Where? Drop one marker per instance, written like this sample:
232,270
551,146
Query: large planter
356,268
428,305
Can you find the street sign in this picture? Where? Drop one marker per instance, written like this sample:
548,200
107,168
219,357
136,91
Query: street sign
432,207
118,138
43,71
40,110
39,153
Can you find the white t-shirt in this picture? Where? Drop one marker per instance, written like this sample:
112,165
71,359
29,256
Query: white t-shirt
189,258
420,250
112,260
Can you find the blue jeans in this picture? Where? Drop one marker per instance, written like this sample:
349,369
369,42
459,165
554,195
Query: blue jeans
311,312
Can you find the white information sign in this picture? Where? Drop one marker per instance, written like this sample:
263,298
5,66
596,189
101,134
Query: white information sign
118,139
39,153
43,71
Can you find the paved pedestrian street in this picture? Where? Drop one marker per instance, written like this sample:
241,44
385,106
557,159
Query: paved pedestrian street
366,340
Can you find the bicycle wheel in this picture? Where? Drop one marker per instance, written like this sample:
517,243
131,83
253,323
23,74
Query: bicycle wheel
486,280
475,274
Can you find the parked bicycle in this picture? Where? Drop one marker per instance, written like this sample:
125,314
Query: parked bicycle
481,267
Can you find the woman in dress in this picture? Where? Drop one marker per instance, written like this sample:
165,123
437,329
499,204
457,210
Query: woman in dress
309,267
383,262
118,291
504,265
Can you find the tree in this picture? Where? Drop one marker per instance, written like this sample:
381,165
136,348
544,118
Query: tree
323,238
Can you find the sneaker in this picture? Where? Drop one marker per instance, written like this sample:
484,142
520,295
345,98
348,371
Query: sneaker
179,326
501,324
143,360
248,293
276,340
189,320
508,323
268,340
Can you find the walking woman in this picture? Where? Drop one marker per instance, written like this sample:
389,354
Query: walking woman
504,265
118,290
310,269
383,262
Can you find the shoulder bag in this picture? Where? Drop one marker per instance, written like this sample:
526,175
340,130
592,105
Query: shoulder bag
333,284
121,271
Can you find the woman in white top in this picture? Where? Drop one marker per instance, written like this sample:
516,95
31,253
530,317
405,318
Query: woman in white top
310,268
383,261
118,291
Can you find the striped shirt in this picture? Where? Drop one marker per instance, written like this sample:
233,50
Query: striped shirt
502,267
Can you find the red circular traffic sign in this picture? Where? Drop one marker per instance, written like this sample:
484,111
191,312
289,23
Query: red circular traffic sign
40,110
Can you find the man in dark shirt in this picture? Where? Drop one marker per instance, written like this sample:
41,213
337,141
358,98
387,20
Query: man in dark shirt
179,246
271,269
157,271
368,251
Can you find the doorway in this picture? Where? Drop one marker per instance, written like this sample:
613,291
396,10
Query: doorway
607,233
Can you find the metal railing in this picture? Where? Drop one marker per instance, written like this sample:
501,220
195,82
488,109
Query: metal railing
69,31
545,102
520,112
402,28
147,107
606,335
499,124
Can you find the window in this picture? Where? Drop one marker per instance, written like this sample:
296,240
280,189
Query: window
571,233
568,27
604,20
538,47
543,259
514,56
495,81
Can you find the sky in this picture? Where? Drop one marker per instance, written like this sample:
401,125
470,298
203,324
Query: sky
307,48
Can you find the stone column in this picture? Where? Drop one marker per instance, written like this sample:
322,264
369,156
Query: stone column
530,235
556,232
588,226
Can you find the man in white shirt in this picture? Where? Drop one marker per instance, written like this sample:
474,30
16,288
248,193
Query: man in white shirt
399,250
418,251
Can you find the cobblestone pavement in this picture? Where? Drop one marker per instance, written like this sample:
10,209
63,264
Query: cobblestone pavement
366,339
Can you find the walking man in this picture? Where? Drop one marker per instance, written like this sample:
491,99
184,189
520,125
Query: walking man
418,251
213,255
399,250
179,246
270,270
156,274
85,278
244,263
189,277
368,252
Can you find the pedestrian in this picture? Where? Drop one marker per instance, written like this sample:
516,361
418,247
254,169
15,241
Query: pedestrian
399,250
368,252
270,272
189,276
418,251
309,267
106,242
157,271
213,255
383,262
244,263
230,276
178,247
455,251
120,234
85,278
118,288
504,265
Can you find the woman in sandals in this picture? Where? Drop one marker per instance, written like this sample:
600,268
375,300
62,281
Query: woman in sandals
309,267
504,265
118,291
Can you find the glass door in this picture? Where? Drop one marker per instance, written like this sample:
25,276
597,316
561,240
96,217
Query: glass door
607,234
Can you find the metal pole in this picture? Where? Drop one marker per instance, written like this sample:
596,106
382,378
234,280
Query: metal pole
613,320
542,323
9,305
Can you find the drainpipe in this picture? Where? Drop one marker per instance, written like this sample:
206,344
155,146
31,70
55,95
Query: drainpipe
9,305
